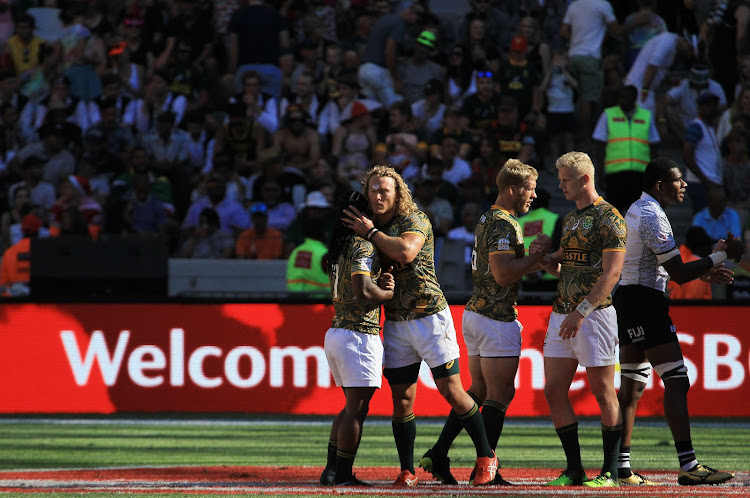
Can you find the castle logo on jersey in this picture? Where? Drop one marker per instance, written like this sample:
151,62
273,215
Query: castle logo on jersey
576,257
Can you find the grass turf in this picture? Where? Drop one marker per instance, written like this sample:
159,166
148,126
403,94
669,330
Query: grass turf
38,445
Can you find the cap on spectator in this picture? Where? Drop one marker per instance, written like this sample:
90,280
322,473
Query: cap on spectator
117,48
80,183
519,43
699,75
507,102
358,109
707,97
259,208
315,199
30,225
433,86
426,38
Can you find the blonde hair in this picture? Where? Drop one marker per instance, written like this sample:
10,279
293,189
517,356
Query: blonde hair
406,205
515,173
579,162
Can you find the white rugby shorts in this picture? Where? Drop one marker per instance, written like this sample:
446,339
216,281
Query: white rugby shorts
594,344
490,338
430,338
355,358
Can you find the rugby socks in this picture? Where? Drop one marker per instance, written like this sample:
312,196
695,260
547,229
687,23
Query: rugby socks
569,438
450,432
404,433
623,463
611,437
686,454
472,422
332,448
493,416
344,464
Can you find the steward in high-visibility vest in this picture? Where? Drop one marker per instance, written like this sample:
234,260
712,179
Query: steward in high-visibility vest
304,269
626,133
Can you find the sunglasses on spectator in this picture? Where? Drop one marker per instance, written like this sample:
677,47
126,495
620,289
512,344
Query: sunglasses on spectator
484,74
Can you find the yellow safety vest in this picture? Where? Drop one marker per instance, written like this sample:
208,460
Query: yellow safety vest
539,220
304,269
627,145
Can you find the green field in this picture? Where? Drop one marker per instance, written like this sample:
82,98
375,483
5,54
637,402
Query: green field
101,442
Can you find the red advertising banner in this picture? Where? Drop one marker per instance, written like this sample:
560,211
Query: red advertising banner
269,358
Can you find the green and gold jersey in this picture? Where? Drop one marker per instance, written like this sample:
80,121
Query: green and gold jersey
417,292
497,232
358,257
587,234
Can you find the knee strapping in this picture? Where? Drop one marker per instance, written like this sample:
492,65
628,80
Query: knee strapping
671,370
638,372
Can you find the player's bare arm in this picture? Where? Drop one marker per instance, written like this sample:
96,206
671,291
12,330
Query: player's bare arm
403,248
367,290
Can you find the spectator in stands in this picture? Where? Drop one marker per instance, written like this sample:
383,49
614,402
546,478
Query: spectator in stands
538,51
717,219
452,124
187,76
197,143
41,193
680,104
455,169
242,138
429,111
141,113
652,64
257,33
513,137
437,209
260,241
58,162
315,213
259,106
144,215
34,112
26,50
378,74
701,153
480,109
10,134
697,245
626,135
167,147
76,195
416,71
281,214
353,143
15,269
59,115
401,139
111,92
208,240
19,197
739,112
129,59
736,171
585,24
496,24
459,81
80,56
233,218
470,213
639,27
305,271
345,91
309,61
520,79
479,48
297,141
188,29
559,86
332,70
9,91
725,32
304,98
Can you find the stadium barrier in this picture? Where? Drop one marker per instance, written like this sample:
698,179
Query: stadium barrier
269,358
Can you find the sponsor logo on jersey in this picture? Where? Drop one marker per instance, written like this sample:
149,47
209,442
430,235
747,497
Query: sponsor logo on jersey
576,257
503,245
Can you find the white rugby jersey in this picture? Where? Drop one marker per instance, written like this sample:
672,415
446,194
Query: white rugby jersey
650,242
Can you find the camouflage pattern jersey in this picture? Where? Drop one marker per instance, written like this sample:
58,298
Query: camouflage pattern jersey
358,257
497,232
417,292
587,234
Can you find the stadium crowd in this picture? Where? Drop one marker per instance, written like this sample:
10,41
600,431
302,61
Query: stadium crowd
226,128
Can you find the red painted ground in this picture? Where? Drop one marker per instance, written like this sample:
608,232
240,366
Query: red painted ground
304,480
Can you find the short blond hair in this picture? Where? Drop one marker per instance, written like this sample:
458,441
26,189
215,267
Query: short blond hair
515,173
579,162
406,205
